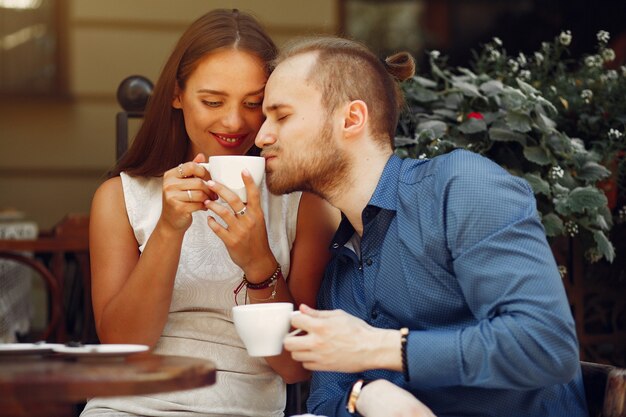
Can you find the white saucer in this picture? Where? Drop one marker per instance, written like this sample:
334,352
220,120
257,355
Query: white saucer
100,350
12,349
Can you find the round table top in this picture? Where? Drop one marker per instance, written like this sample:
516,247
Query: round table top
58,379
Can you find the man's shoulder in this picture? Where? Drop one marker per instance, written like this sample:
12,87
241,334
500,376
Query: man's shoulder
447,166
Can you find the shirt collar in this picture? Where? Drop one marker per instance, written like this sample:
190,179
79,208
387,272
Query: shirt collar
386,192
384,197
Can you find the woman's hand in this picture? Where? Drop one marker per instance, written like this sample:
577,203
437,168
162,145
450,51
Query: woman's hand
184,191
383,398
245,235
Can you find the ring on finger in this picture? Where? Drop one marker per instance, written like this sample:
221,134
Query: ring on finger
180,170
242,211
189,195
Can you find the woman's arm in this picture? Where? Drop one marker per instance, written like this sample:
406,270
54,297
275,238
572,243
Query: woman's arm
131,294
246,240
317,222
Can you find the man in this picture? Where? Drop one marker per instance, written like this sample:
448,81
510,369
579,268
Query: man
441,279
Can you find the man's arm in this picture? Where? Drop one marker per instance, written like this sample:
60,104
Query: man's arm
523,336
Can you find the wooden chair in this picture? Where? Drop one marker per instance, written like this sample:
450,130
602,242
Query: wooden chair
605,389
69,238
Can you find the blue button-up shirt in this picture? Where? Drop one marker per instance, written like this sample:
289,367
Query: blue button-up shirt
453,249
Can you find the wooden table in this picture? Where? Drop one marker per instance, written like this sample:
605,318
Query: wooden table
52,385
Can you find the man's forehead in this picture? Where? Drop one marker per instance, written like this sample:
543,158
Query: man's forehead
289,78
297,67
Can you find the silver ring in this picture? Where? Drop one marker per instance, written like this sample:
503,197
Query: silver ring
180,170
189,195
242,211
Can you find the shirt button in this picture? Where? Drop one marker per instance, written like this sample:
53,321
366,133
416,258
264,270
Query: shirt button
374,314
335,245
369,262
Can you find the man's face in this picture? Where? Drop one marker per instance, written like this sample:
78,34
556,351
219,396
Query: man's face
299,137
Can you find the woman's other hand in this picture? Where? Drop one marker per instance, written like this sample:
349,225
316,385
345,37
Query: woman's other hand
245,234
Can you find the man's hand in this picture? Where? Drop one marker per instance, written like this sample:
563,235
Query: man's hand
382,398
337,341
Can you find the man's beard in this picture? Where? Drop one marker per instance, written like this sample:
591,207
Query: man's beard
321,170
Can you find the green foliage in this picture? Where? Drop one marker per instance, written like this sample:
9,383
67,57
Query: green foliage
534,117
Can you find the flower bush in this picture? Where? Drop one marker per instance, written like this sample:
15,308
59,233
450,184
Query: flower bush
542,117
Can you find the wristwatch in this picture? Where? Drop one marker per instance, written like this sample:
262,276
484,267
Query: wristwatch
354,395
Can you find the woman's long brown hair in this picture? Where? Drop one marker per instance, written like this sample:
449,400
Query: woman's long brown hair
162,141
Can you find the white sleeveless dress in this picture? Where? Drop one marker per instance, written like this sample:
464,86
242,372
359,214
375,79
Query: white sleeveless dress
200,321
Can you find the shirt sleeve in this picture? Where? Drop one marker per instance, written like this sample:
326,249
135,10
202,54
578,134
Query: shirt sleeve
524,335
329,393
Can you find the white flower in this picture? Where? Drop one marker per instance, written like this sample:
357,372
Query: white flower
565,38
556,172
494,55
422,156
586,95
603,36
612,74
622,214
513,64
497,41
539,57
545,46
435,54
592,61
615,134
623,68
608,54
553,89
521,58
524,74
571,228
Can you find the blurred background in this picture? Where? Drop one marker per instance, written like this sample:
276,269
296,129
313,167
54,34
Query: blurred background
61,62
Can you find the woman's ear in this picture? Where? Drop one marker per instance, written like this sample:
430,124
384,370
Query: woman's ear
355,118
177,100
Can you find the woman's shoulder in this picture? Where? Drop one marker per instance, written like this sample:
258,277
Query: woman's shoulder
110,188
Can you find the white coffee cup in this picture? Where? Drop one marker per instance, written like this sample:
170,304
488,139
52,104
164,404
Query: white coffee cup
262,327
226,169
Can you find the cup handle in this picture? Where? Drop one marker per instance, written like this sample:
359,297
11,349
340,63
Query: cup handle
297,331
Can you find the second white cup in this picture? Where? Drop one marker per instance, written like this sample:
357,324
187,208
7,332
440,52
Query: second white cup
262,327
226,169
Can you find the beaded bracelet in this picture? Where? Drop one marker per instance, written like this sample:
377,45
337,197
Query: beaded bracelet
265,284
272,281
404,334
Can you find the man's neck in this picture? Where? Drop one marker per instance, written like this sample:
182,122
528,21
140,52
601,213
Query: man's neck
363,177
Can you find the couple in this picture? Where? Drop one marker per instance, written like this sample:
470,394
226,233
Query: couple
439,281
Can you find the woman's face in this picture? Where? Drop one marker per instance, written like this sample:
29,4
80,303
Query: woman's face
221,103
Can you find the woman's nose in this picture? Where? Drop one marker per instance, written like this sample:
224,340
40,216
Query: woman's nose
233,120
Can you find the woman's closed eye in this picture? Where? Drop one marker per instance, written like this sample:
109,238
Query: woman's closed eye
253,104
211,103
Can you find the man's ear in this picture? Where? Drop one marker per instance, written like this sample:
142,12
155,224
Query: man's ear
355,118
176,100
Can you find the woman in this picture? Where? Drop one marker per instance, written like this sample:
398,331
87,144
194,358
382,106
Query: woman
166,259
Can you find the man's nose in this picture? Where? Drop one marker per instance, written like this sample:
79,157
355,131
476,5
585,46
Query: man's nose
265,137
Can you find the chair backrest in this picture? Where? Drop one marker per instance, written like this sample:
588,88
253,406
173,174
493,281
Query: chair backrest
69,238
605,389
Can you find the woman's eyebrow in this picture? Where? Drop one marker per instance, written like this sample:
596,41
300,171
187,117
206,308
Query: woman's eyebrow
224,93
